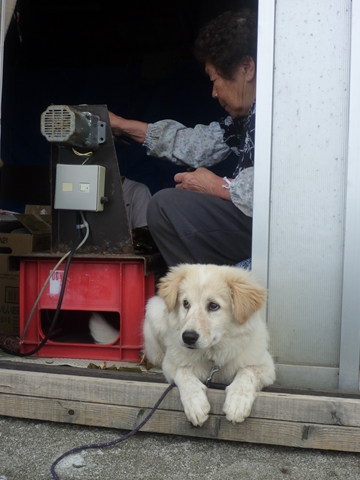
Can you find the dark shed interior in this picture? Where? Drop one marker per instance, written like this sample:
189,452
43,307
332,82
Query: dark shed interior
135,57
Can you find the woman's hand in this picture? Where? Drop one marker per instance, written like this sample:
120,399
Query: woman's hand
202,180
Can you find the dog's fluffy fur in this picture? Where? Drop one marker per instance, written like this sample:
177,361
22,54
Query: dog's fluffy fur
206,315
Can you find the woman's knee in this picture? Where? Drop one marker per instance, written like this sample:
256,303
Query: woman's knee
156,206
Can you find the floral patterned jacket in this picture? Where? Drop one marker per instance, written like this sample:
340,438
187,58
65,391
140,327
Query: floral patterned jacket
207,145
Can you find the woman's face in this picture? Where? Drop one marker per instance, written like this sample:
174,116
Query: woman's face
238,94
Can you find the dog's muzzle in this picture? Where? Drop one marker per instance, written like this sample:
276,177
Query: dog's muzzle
190,337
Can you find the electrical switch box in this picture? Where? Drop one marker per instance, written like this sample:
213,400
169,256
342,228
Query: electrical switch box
79,187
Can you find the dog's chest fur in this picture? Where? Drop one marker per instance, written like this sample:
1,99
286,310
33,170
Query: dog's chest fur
242,346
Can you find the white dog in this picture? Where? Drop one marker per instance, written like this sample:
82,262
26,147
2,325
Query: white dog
206,315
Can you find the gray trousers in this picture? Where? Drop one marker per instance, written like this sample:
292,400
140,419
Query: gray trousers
192,227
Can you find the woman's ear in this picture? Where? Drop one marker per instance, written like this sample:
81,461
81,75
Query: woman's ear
249,68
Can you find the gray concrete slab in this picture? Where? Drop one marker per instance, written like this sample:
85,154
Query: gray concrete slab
28,448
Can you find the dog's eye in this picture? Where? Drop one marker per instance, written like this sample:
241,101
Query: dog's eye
186,304
213,307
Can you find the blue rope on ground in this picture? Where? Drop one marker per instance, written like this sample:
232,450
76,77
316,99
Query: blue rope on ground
112,442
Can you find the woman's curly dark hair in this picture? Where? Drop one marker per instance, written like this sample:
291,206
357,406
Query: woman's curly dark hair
226,40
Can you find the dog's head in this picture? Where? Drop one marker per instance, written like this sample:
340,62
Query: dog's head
206,302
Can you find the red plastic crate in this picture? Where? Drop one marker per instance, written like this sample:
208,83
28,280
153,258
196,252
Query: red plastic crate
118,289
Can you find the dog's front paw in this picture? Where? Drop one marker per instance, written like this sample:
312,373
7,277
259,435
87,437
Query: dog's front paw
196,406
238,405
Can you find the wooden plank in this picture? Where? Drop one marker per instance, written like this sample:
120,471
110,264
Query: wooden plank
128,371
275,406
294,434
137,375
253,430
140,376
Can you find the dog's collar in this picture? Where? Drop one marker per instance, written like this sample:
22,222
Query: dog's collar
213,370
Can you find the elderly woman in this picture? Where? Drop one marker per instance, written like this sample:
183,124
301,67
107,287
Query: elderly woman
206,218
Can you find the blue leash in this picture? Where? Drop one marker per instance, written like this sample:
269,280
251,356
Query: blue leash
113,442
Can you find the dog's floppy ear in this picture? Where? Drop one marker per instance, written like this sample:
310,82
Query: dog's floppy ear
248,296
168,287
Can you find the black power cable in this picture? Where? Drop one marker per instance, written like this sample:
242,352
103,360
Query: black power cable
112,442
209,384
58,307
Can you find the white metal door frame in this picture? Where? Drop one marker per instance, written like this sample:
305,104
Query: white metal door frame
350,321
2,41
263,128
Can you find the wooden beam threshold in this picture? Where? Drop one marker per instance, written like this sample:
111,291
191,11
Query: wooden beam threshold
312,421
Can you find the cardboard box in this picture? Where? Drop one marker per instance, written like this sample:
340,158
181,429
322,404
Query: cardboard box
30,232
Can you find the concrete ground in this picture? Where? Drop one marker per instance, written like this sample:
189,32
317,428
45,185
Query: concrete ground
28,448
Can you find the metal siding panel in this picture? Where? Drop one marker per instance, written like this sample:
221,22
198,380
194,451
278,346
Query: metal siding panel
310,123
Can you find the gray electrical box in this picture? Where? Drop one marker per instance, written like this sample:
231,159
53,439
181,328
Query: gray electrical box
79,187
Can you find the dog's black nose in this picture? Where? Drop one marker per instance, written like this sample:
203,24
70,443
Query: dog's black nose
190,337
